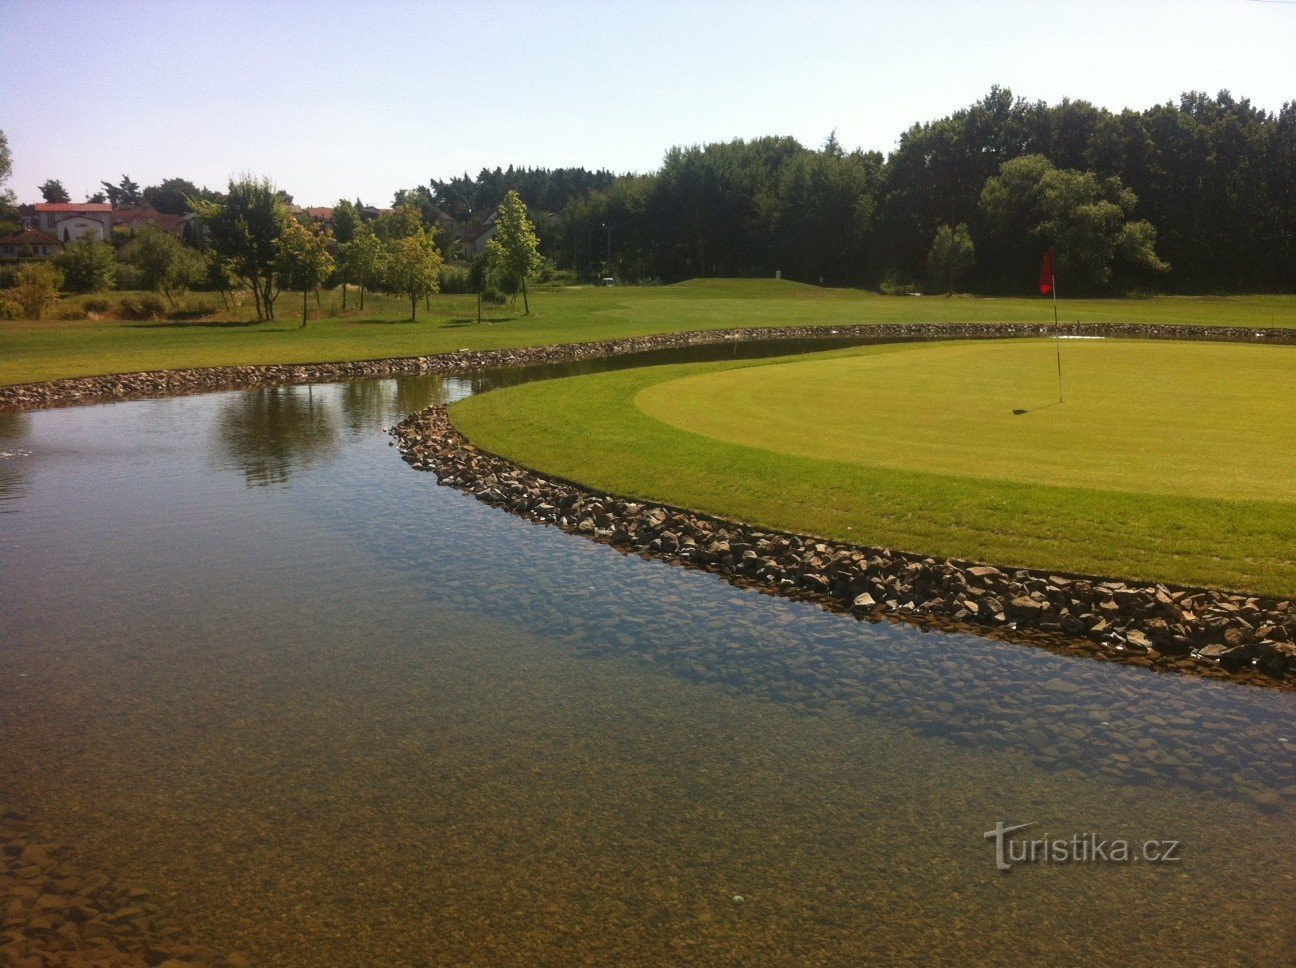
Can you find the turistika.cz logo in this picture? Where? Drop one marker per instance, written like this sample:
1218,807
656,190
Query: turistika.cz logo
1081,848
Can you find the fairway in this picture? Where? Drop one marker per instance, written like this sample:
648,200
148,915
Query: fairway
1194,419
49,349
1168,461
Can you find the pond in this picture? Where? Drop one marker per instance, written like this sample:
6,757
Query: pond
328,712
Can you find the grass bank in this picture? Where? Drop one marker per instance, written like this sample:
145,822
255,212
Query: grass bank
50,349
1169,462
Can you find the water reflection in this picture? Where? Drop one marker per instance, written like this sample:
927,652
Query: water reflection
271,433
14,428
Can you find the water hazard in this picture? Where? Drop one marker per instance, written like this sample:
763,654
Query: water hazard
330,713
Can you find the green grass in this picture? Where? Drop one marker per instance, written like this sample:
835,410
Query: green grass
1168,462
49,349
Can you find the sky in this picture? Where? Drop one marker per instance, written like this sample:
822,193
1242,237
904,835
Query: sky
358,99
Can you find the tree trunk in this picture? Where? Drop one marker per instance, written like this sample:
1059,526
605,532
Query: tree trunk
526,306
305,293
413,306
344,289
362,289
478,307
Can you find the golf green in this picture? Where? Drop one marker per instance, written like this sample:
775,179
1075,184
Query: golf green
1207,420
1167,461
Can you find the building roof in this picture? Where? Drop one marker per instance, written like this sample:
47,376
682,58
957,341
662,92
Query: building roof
73,207
324,213
147,216
29,237
472,235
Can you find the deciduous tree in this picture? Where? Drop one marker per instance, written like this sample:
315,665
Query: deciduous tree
165,264
515,248
362,262
950,260
88,266
244,229
414,268
303,261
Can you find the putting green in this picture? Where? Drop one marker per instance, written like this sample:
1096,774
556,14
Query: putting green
1168,461
1196,419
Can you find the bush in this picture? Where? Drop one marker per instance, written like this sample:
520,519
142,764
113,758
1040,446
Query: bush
129,277
456,280
38,286
147,306
8,276
10,309
67,311
88,266
893,285
97,304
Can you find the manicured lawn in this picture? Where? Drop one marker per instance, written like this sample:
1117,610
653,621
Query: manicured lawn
1168,462
48,349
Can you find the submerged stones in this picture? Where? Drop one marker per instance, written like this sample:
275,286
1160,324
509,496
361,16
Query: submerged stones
1208,632
58,913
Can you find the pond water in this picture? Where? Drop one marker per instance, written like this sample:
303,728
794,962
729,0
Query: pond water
333,714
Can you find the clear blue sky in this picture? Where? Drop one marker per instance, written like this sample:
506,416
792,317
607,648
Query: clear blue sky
361,98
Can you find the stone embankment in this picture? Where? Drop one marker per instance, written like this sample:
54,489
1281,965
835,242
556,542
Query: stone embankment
57,913
1208,632
159,383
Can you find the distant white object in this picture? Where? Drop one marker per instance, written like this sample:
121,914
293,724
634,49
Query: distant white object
778,273
607,281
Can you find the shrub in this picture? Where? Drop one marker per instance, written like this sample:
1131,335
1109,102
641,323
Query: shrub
129,277
147,306
38,286
67,311
10,309
97,304
8,276
456,279
88,266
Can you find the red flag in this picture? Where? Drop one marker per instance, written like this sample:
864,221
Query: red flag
1046,273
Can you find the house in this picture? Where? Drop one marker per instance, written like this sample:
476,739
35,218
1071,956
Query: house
320,213
69,221
475,239
29,243
134,218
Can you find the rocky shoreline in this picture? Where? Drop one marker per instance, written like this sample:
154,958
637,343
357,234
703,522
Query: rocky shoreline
1203,631
160,383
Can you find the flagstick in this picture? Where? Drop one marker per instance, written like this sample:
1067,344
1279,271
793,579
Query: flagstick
1057,338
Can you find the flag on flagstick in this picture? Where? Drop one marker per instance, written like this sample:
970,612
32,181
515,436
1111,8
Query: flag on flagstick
1048,285
1046,273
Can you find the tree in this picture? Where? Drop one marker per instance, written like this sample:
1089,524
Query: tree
303,260
38,286
98,198
172,197
125,194
244,229
165,264
401,222
414,268
951,258
362,261
346,216
88,266
515,248
1030,205
54,192
8,213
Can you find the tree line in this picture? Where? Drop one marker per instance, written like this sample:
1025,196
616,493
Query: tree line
1194,196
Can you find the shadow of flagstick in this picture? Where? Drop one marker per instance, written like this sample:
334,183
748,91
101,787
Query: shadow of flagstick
1043,406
